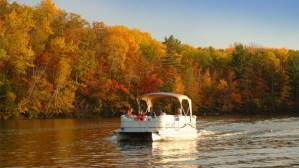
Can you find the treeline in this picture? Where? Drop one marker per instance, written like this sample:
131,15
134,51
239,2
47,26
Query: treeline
54,63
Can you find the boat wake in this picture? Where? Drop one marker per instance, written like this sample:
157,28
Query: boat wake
205,134
112,139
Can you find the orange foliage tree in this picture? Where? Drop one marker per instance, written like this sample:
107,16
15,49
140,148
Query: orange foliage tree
54,63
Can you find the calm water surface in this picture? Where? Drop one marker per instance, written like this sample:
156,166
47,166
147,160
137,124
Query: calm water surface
228,142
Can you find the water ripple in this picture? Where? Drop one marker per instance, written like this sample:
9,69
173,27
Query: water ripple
229,142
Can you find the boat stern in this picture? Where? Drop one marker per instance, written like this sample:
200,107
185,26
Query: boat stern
137,136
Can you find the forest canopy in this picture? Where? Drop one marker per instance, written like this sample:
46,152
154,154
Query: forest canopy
54,63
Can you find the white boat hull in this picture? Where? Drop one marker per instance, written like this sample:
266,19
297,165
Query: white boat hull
166,127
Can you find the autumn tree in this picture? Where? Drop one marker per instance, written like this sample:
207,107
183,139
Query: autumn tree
57,64
293,71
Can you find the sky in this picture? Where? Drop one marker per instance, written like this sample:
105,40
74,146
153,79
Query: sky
201,23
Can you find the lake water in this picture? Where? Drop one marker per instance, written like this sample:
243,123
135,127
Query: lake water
223,142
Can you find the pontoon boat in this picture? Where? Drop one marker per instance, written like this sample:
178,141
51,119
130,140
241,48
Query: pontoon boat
179,125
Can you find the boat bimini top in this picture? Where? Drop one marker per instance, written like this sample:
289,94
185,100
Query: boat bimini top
148,98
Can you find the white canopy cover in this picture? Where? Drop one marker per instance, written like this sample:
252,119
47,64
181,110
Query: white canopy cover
150,96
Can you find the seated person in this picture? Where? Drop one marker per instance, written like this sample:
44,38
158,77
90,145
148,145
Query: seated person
179,111
141,116
151,113
162,112
130,112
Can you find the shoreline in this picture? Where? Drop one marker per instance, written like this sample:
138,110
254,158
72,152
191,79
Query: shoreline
94,116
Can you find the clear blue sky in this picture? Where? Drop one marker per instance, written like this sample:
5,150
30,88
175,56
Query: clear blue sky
217,23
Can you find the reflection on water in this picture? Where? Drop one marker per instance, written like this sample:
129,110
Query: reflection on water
56,142
174,153
226,142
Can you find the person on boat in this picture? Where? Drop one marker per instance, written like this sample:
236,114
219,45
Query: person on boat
141,116
162,112
130,112
151,113
179,111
